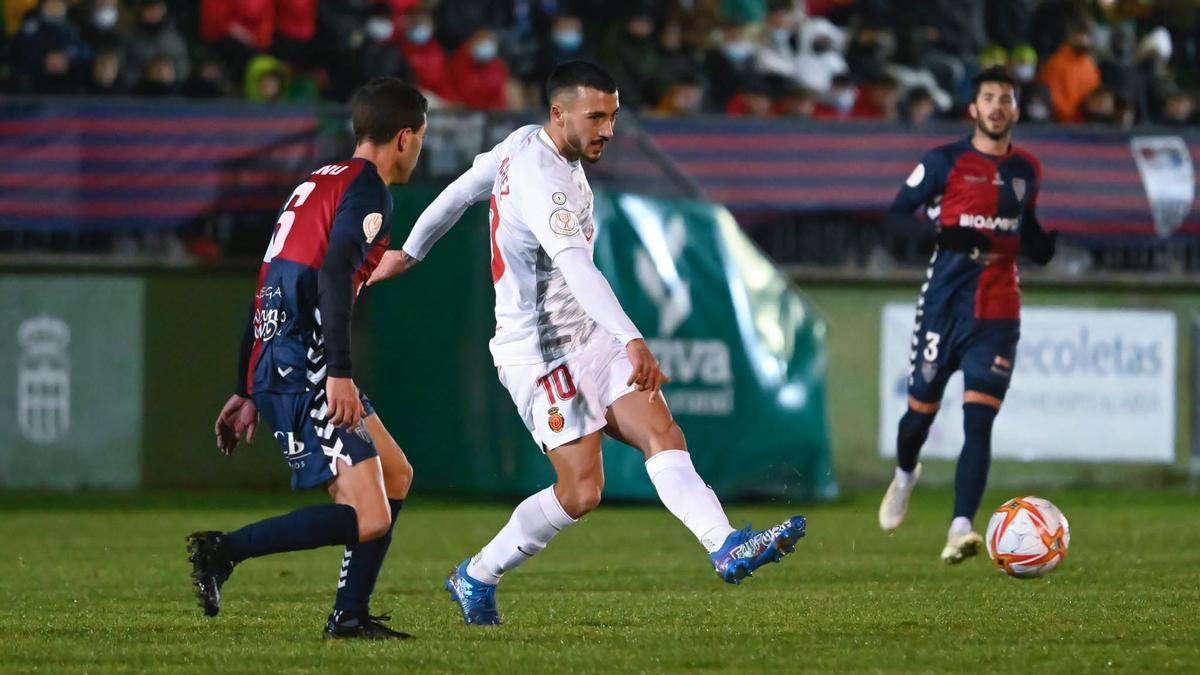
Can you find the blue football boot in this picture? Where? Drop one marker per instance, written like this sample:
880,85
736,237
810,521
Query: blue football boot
747,550
476,599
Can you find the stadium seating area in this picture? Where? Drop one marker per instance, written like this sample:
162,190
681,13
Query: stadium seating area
1109,62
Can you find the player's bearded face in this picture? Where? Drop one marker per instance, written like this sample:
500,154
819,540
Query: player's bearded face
589,121
995,110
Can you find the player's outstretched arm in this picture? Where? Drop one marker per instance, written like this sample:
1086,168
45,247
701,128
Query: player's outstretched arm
474,185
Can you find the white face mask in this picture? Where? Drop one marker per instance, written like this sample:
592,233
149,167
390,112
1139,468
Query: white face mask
380,29
484,50
739,51
420,33
105,17
844,100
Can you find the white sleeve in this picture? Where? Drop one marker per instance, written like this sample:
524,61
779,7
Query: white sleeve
436,220
594,294
552,207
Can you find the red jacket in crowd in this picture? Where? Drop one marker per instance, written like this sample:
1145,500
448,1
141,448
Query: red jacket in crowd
220,19
296,19
479,85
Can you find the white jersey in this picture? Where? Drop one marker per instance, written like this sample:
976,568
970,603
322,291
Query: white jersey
541,205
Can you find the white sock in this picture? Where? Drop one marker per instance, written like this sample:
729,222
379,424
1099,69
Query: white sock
533,524
688,497
960,526
905,478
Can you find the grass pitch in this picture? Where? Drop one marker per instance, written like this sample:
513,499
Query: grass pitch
100,585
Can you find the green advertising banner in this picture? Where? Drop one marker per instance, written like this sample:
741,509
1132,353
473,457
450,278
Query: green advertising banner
71,374
746,352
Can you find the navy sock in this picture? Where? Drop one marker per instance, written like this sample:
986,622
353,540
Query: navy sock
304,528
914,429
360,568
971,474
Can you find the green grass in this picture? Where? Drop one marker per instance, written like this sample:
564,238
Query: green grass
99,585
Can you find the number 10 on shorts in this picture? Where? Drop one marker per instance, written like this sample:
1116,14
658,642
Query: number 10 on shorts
558,381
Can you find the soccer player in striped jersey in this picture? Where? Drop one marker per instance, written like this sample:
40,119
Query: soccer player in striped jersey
982,191
295,368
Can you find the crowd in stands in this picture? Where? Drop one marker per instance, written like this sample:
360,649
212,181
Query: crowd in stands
1109,62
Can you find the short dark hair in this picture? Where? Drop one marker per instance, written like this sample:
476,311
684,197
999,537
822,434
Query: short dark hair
573,74
996,74
384,106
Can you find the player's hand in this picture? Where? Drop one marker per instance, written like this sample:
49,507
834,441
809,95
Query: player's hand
646,375
238,419
393,263
345,405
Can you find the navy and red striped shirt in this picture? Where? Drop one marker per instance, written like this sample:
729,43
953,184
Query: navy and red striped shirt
330,235
992,197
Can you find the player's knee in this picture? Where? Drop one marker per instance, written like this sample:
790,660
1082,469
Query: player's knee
666,436
397,479
373,523
582,497
914,427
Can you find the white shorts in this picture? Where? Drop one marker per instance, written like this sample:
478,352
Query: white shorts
568,398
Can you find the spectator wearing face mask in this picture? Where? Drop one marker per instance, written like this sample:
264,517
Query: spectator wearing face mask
380,54
820,57
564,43
458,21
1070,74
1033,97
426,57
480,77
730,63
630,54
838,103
48,51
1154,79
154,35
99,24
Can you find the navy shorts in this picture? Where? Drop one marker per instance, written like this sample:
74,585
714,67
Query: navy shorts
984,350
312,446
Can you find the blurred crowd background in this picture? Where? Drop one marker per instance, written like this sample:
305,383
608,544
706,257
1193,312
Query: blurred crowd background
1107,62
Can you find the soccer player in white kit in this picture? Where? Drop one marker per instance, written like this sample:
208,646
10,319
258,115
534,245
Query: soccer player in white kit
564,348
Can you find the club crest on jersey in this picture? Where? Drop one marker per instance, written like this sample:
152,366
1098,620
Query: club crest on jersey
371,225
564,223
928,371
556,421
1019,188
